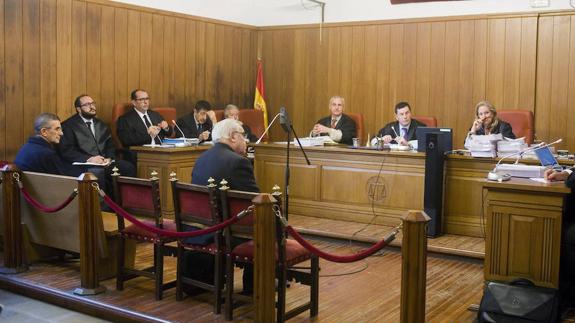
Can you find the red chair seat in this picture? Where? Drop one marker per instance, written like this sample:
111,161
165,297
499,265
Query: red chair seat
137,233
295,252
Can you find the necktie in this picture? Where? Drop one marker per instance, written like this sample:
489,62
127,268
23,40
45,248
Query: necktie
404,133
147,121
89,124
200,128
333,123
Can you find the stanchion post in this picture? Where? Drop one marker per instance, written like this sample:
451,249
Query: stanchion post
414,267
264,258
13,253
89,209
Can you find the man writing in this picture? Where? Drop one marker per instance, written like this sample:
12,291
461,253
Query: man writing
198,124
88,139
403,129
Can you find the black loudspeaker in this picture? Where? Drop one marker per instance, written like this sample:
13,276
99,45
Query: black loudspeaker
433,192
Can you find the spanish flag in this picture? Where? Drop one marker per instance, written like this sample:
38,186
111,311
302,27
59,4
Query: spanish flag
259,101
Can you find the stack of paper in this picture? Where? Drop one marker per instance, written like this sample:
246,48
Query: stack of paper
510,146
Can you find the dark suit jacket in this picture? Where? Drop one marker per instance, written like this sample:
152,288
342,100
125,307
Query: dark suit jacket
133,132
503,128
221,162
78,144
248,134
188,125
346,125
37,155
411,132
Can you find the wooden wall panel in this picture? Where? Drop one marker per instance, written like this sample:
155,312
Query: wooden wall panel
442,67
555,78
53,50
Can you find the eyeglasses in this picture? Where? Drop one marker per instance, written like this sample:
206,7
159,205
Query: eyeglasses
87,104
143,99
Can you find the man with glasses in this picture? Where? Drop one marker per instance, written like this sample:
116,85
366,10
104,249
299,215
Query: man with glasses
141,125
88,139
233,112
225,160
39,154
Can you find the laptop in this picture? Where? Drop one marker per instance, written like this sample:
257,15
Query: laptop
546,157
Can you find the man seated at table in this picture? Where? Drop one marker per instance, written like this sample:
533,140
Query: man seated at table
198,124
88,139
141,125
39,154
233,112
403,129
338,126
225,160
566,279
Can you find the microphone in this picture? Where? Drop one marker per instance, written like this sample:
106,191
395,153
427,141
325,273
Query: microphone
176,125
284,119
494,176
268,128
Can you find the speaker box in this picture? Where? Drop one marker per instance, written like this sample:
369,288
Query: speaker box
435,149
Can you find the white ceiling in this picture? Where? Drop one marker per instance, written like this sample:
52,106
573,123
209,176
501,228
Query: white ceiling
289,12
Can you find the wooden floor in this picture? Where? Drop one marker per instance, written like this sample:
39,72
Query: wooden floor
364,291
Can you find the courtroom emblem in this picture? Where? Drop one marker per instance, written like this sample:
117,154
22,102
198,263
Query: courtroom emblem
376,188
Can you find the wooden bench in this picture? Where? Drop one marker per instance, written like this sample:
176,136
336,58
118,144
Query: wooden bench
46,235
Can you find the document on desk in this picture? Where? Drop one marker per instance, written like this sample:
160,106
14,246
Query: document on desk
543,180
92,164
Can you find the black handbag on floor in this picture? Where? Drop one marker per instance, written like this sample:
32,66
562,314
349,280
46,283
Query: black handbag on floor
519,301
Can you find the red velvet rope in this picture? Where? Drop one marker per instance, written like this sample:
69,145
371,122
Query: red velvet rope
334,258
167,233
46,209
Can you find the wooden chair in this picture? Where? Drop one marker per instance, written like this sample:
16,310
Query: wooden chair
288,255
428,120
141,197
358,118
197,206
521,122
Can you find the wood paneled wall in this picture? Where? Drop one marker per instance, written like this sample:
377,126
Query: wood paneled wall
442,67
53,50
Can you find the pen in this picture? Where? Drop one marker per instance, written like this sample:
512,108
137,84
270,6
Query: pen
395,132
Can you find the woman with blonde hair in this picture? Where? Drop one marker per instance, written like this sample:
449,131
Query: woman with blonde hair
487,123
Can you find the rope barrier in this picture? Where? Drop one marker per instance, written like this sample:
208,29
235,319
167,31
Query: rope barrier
169,233
341,259
39,205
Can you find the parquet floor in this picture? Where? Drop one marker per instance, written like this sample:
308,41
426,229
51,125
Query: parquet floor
364,291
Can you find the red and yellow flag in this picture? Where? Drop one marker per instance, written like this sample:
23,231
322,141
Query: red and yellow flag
259,101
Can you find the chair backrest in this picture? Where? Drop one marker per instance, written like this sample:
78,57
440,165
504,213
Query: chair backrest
255,120
232,203
219,114
358,118
521,122
169,114
118,110
428,120
138,196
195,204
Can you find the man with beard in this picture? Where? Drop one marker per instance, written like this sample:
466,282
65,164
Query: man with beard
88,139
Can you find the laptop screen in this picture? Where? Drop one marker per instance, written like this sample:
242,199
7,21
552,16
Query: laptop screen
546,157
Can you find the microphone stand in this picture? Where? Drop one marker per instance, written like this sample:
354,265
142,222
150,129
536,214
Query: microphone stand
288,128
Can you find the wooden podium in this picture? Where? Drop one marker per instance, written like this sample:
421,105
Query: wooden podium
523,234
164,161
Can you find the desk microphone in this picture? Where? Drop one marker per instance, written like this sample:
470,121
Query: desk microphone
268,128
495,176
176,125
